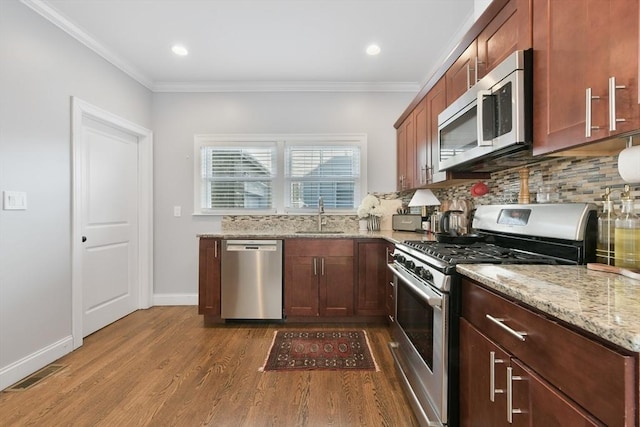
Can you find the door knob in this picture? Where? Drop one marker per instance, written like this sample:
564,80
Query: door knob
84,239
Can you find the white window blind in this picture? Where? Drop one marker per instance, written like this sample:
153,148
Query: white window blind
330,172
262,174
238,177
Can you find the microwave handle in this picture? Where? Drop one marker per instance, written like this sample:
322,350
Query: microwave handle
479,121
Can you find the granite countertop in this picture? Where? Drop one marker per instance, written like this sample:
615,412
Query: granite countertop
605,304
389,235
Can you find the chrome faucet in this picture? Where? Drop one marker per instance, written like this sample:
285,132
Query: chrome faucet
320,212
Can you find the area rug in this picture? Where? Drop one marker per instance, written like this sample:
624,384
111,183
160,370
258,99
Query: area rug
320,350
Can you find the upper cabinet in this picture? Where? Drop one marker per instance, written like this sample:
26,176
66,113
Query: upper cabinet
585,75
463,73
508,31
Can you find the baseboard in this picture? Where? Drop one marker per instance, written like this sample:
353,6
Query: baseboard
26,366
175,299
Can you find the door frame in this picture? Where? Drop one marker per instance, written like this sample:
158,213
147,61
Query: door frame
80,110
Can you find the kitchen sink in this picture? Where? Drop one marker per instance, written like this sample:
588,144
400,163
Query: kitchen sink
318,232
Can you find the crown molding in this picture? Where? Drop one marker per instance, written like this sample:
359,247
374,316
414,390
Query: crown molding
56,18
284,86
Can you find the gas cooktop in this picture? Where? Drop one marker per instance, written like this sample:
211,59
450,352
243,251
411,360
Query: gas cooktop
477,253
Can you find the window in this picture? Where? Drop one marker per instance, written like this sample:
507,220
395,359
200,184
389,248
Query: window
247,174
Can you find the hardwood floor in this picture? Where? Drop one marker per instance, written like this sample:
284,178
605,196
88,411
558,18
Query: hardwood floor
162,367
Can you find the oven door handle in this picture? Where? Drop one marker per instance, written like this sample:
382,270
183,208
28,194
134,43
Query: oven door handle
432,298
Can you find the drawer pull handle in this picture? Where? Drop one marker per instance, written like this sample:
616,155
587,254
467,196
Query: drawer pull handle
492,376
500,322
510,409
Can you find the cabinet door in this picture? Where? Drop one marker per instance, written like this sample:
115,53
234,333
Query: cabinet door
462,74
565,66
476,405
509,31
541,404
420,156
336,286
401,157
301,286
372,278
436,103
406,151
209,277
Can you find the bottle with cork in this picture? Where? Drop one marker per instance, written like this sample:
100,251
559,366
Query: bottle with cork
606,230
627,233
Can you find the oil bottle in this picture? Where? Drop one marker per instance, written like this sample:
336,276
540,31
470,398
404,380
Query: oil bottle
627,233
606,230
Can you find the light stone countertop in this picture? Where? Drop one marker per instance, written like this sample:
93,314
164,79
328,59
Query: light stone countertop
389,235
605,304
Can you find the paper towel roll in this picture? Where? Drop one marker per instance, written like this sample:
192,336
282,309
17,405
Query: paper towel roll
629,164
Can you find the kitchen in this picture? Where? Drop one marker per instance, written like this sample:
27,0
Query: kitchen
174,236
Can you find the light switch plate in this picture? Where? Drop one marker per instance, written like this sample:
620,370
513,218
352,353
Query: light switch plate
177,211
14,201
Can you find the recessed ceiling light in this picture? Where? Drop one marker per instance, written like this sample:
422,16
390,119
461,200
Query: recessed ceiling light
179,50
373,49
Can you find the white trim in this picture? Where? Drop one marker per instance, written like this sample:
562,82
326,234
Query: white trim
49,12
80,110
52,15
175,299
29,364
308,86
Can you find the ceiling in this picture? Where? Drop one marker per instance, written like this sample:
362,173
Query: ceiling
267,44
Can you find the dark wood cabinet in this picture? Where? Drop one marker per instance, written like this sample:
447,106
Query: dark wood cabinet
539,365
578,47
421,156
319,277
209,278
405,154
462,74
509,30
373,277
498,390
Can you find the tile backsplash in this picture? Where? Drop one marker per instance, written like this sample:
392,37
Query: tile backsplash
576,179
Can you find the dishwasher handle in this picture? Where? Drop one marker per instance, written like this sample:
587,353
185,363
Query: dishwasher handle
251,245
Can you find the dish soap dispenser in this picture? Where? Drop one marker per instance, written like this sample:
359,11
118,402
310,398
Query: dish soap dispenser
627,233
606,230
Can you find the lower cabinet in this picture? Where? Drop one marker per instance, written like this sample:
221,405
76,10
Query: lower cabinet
319,277
209,277
373,277
498,390
519,368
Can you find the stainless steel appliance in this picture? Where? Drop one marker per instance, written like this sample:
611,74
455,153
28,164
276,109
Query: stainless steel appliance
493,118
427,290
251,279
406,222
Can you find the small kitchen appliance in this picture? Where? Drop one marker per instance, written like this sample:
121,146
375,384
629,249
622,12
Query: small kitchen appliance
427,290
406,222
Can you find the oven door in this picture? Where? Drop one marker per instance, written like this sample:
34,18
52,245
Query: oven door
420,347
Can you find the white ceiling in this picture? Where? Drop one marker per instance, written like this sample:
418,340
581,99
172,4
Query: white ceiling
267,44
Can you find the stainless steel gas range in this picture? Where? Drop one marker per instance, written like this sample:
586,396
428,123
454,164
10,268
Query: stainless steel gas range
427,290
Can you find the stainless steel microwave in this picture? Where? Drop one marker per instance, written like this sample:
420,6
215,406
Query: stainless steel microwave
492,119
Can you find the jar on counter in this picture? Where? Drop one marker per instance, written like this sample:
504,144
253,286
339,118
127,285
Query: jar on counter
605,249
627,234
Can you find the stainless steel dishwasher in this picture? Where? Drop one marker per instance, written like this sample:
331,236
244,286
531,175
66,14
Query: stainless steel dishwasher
251,276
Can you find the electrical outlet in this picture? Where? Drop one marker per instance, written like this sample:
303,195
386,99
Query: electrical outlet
177,211
15,200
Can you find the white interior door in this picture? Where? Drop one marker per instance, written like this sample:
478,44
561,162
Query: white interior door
112,225
109,225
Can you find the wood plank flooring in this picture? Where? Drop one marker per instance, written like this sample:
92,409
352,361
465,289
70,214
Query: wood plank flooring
162,367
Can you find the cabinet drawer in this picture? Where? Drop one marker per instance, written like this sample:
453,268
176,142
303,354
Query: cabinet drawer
596,377
318,247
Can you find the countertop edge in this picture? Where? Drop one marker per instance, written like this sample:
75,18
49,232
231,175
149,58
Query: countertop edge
518,289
